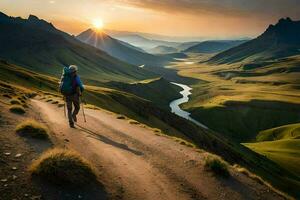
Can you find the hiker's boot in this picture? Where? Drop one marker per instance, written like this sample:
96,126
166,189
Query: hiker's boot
72,125
74,118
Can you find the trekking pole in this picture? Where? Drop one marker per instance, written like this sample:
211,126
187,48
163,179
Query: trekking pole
83,109
65,107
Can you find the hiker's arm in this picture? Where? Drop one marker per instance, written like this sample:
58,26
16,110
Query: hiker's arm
61,83
79,83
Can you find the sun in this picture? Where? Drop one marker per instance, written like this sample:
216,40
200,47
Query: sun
98,24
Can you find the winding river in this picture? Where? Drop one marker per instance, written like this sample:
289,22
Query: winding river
175,105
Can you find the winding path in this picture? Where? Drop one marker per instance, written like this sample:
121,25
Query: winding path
136,163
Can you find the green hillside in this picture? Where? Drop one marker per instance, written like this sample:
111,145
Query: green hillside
159,91
284,152
39,46
291,131
280,144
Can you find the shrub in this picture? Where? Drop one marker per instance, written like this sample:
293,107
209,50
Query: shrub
55,102
156,130
7,96
134,122
61,166
121,117
32,128
17,109
217,165
31,94
60,105
15,102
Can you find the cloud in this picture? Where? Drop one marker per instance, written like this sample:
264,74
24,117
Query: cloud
52,2
217,7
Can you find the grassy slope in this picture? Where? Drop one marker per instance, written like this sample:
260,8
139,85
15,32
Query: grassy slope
281,144
144,111
159,91
285,152
291,131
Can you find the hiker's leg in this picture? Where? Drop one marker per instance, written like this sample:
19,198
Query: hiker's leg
76,102
69,107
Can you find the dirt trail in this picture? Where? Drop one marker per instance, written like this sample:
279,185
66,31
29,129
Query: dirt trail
135,163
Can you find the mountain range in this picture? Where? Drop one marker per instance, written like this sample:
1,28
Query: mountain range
38,45
120,49
278,41
142,42
214,46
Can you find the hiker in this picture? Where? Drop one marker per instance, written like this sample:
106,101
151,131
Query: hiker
71,87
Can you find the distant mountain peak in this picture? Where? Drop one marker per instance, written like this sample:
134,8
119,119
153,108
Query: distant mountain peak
34,20
283,23
285,20
278,41
2,15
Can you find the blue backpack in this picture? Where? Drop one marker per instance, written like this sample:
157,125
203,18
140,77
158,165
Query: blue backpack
66,86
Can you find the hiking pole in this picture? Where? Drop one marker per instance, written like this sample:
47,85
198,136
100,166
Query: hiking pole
65,107
83,109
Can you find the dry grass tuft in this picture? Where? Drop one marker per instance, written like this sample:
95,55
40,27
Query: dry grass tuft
60,105
134,122
17,109
121,117
61,166
33,129
7,96
184,142
248,173
217,165
15,102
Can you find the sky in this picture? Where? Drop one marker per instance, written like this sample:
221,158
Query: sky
190,18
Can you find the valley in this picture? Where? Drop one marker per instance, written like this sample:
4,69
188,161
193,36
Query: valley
215,119
251,101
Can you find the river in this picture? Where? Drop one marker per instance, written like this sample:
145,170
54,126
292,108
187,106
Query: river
175,105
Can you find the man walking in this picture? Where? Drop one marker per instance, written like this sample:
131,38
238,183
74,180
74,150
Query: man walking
71,87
